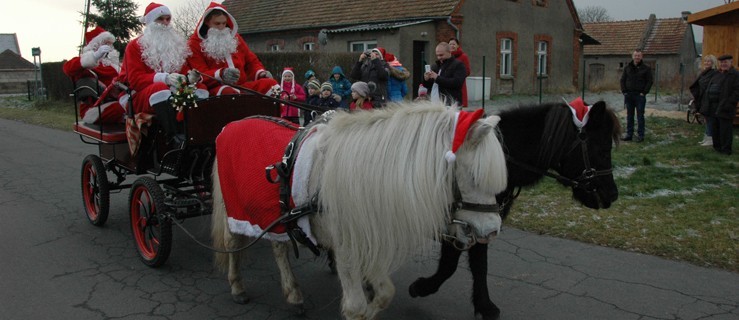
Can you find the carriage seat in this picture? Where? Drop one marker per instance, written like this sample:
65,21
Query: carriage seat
107,133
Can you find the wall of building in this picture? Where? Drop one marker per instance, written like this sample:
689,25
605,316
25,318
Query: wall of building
486,22
15,81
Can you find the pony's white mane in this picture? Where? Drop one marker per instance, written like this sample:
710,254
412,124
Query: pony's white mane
390,165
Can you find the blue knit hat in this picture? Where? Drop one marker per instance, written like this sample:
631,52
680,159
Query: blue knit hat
309,73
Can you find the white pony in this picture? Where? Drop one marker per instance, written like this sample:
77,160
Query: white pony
386,186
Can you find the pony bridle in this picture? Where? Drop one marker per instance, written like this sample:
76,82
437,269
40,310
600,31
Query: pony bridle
584,180
467,229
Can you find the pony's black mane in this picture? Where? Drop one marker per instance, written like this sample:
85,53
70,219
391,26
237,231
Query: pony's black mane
555,121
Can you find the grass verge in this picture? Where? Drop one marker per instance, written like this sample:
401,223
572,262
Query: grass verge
676,200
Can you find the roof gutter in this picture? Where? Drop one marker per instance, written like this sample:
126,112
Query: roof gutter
456,30
347,24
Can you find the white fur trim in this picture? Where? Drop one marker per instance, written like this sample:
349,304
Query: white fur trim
301,176
578,123
154,14
250,230
161,77
256,75
218,75
450,157
201,93
88,61
159,96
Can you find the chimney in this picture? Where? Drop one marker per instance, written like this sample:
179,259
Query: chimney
685,15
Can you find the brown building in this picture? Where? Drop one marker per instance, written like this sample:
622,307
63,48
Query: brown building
720,30
668,46
518,39
15,72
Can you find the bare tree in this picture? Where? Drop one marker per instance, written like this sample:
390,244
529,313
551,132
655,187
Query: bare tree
593,14
186,16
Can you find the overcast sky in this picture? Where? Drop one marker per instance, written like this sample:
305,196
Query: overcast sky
53,25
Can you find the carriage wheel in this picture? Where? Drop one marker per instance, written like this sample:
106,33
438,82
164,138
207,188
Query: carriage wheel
152,231
95,190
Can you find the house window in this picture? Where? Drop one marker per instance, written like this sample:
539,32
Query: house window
361,46
506,57
541,55
274,47
309,46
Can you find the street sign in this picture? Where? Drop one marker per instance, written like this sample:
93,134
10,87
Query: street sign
36,51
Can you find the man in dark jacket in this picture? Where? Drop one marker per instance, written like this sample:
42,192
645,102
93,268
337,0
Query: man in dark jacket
636,81
446,77
727,80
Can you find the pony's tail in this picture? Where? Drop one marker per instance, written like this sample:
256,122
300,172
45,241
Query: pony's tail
219,222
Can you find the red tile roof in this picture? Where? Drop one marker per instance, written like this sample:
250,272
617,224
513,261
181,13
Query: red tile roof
666,36
615,37
9,60
273,15
622,37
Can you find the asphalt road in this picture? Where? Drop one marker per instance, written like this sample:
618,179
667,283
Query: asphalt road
55,265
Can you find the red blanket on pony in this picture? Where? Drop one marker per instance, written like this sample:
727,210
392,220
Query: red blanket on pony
244,149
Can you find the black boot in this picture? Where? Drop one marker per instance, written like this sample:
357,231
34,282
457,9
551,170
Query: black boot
167,120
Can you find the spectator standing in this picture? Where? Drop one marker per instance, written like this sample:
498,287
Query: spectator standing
371,68
97,67
361,98
291,91
309,75
700,98
219,52
457,52
636,81
328,98
726,82
314,97
396,86
341,86
446,77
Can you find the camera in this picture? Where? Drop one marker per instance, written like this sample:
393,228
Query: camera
367,53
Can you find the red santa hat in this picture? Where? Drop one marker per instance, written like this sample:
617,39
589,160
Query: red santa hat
202,29
463,121
580,111
154,11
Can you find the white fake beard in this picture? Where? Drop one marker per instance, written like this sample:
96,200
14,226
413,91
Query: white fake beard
219,44
163,49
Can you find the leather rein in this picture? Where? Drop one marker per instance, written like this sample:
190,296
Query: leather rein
584,180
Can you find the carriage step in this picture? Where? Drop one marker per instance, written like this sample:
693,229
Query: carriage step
184,203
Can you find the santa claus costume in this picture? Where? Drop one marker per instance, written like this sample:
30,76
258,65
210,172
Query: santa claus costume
155,61
97,67
214,51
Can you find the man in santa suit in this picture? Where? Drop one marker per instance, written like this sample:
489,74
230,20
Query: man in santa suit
155,62
96,68
219,52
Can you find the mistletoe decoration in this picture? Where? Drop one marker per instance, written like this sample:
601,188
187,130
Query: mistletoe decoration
184,97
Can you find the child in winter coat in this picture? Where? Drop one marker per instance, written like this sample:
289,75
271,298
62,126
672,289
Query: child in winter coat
361,96
314,97
341,86
293,92
328,98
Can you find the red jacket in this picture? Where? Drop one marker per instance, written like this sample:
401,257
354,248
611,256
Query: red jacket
80,67
243,59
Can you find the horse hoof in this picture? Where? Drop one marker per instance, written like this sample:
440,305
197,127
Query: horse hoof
299,309
240,298
488,314
416,289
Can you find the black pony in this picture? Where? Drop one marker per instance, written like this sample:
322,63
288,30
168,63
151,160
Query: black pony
537,139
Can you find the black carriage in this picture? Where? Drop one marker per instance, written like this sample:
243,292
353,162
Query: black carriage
173,183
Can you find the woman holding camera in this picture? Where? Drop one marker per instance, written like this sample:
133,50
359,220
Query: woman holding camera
371,68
